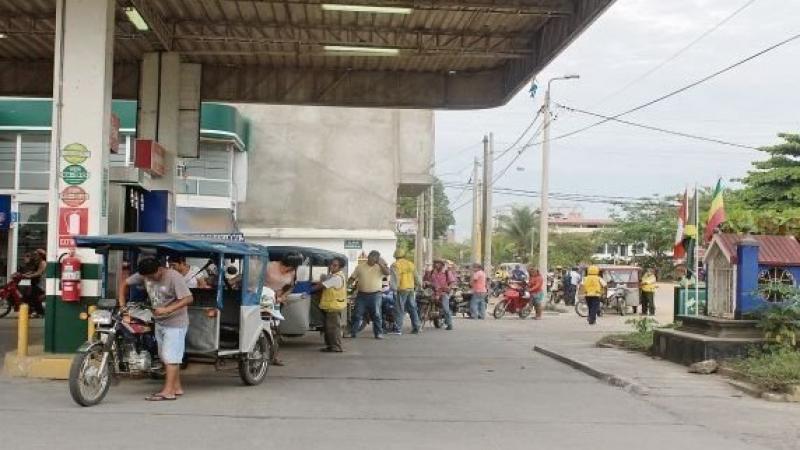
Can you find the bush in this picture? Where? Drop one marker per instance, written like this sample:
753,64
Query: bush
775,370
639,340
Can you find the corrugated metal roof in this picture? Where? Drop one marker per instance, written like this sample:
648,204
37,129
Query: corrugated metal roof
772,251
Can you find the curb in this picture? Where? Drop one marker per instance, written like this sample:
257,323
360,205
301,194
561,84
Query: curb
608,378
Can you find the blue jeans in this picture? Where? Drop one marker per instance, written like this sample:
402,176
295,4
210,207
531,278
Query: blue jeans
407,303
368,303
477,306
445,305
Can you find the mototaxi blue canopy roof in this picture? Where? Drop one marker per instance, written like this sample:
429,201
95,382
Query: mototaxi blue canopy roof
171,243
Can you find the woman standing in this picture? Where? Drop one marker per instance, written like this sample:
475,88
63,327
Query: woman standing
536,288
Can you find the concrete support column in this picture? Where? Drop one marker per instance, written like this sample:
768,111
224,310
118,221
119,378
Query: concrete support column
84,45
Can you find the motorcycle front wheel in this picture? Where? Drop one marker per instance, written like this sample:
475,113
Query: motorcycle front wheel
525,311
254,365
88,379
499,309
582,308
622,307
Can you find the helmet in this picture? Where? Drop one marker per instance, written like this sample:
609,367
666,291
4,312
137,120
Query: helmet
593,270
399,253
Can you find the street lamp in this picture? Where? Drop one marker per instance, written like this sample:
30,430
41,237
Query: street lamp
544,211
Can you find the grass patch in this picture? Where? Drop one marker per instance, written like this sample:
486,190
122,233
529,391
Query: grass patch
637,340
776,370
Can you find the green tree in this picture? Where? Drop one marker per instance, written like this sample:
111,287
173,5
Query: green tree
775,182
458,252
652,222
570,249
442,214
518,231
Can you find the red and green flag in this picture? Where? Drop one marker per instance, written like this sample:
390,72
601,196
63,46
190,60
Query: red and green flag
716,216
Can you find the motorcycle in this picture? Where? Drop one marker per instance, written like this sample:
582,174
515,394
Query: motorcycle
430,309
459,302
615,298
515,300
10,295
124,345
496,288
388,313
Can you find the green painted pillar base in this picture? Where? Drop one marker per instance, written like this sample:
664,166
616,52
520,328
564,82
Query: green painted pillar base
64,330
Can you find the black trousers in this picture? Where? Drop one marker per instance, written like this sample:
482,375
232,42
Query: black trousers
648,303
594,306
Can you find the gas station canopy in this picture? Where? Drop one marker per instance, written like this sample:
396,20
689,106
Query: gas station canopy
376,53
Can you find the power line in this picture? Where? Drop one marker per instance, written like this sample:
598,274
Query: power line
521,136
682,89
502,173
660,130
454,155
680,52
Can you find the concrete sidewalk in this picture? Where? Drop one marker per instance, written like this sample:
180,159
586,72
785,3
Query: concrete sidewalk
706,400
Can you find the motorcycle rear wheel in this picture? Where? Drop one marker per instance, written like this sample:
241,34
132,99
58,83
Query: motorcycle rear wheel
83,394
6,306
582,308
500,309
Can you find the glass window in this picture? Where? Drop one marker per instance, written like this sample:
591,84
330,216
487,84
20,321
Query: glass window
32,229
209,173
35,161
255,275
8,158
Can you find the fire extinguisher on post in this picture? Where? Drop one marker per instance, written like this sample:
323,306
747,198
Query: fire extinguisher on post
70,277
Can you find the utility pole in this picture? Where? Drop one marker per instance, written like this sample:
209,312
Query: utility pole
476,215
544,214
419,238
429,257
488,156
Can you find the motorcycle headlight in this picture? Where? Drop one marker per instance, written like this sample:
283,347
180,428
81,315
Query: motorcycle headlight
101,317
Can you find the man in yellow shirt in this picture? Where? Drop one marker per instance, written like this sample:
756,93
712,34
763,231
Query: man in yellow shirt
648,293
593,287
406,280
369,277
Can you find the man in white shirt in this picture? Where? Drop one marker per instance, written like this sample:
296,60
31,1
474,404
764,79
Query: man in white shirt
193,276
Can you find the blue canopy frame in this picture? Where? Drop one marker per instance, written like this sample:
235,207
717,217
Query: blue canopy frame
171,243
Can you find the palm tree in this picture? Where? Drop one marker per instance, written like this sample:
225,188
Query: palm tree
519,228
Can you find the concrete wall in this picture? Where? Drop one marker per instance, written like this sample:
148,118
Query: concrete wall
331,168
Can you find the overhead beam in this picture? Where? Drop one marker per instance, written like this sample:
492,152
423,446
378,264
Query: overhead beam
517,7
415,41
158,25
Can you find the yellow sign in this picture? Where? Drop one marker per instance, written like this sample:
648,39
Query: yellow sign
75,153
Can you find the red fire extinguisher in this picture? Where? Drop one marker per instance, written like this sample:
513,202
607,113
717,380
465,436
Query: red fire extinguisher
70,277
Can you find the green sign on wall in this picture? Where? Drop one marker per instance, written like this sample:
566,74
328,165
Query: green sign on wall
353,244
74,174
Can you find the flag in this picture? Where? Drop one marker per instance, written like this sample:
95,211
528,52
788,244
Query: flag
679,250
716,215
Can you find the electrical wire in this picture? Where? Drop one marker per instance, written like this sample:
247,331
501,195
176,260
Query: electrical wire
653,128
521,136
681,89
677,54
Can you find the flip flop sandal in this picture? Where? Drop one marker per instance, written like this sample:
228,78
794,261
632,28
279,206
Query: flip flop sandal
159,398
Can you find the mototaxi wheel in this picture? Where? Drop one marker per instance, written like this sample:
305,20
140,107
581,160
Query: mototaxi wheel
254,365
622,307
88,380
500,309
582,308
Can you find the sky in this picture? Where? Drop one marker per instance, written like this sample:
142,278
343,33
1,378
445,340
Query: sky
748,105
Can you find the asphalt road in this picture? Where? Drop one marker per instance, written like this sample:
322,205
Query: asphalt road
479,386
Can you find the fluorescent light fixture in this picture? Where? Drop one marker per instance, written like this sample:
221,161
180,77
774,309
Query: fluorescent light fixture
367,51
366,9
135,18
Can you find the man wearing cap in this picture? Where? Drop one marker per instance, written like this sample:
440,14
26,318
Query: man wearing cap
406,280
442,280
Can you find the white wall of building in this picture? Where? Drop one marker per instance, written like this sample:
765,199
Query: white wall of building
318,176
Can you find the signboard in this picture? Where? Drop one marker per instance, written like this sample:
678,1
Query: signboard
353,244
71,222
74,174
74,196
75,153
150,157
406,226
236,237
113,139
5,211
